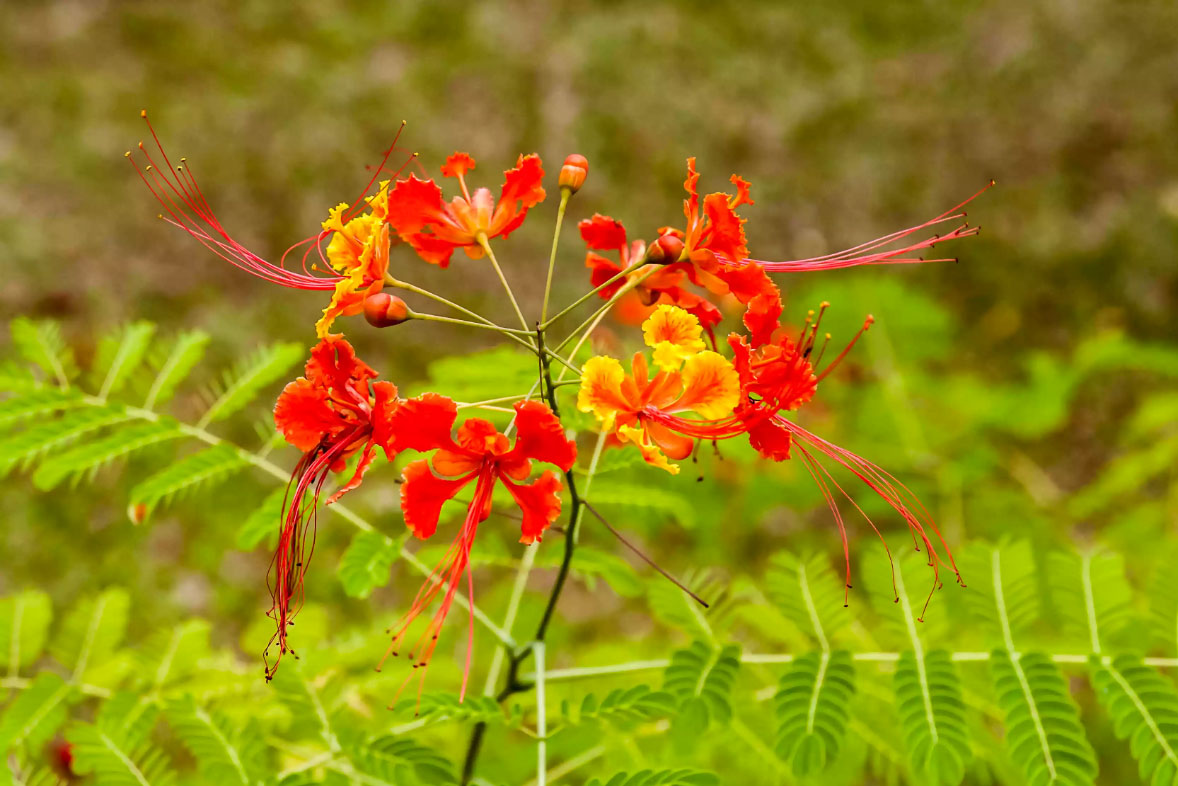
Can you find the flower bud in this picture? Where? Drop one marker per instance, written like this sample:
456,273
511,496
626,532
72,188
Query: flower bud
665,251
385,310
574,172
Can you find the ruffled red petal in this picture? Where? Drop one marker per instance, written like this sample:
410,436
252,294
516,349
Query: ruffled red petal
747,281
457,165
602,233
333,366
742,191
413,204
366,459
422,495
602,270
424,423
540,503
762,317
770,439
541,436
303,416
521,191
726,237
385,403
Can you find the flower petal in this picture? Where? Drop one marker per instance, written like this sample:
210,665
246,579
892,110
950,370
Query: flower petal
762,317
521,191
303,415
770,439
422,495
541,436
457,165
742,192
674,334
540,503
384,405
424,423
366,459
711,387
414,204
602,233
601,389
726,237
650,452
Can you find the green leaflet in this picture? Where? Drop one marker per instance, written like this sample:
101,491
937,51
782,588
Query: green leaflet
681,777
86,459
244,382
1143,706
812,707
1043,731
91,632
119,356
224,754
24,625
365,564
701,678
200,470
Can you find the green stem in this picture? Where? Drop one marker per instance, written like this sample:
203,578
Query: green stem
596,317
617,276
468,323
564,203
503,279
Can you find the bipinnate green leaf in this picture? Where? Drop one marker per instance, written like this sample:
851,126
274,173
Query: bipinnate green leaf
1143,707
400,761
680,777
621,708
808,594
91,632
39,403
224,754
116,749
50,435
119,356
264,522
89,457
933,717
200,470
1003,588
36,713
365,564
24,624
244,382
1091,595
40,342
174,367
701,678
812,706
1043,731
171,654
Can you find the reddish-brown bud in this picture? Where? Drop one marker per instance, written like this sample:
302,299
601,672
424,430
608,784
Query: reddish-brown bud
385,310
574,172
665,251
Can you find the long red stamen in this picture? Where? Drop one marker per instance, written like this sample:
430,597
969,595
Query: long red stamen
868,253
296,540
448,573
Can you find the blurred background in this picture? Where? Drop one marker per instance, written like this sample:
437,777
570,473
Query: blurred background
1027,389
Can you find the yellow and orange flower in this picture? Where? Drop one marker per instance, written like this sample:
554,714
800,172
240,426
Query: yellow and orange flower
643,410
359,254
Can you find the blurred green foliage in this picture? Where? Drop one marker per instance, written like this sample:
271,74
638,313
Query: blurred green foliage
1027,390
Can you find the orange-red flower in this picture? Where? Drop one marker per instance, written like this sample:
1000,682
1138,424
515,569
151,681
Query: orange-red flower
647,412
435,228
331,413
659,283
356,257
476,453
714,243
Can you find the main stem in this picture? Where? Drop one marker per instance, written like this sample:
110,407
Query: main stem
512,683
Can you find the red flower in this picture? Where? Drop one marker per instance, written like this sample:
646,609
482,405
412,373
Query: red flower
435,228
477,453
665,285
714,237
356,257
331,413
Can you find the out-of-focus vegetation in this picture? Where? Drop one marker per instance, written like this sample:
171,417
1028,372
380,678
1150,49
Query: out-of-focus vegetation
1026,391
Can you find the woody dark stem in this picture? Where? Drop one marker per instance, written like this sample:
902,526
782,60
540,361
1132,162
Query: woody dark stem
512,683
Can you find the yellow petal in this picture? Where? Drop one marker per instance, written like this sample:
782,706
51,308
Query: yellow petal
711,386
339,302
601,389
650,452
674,334
335,221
